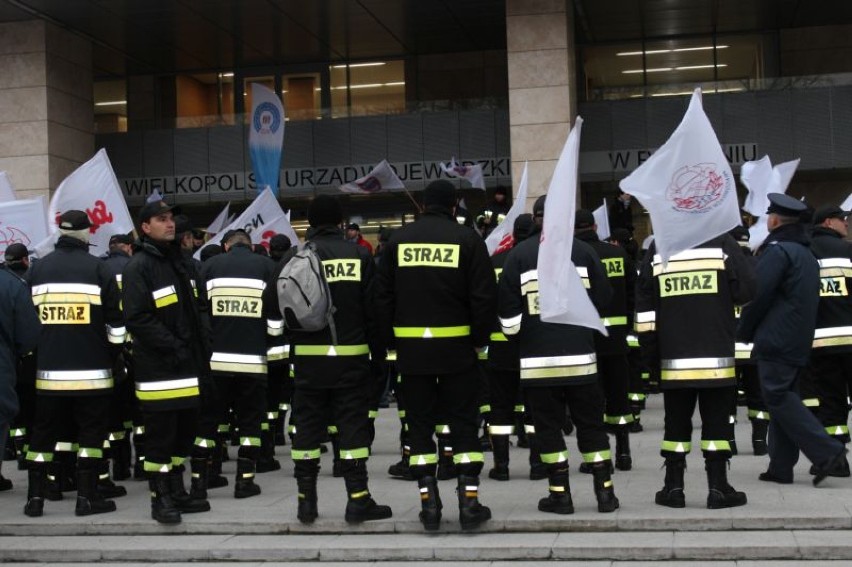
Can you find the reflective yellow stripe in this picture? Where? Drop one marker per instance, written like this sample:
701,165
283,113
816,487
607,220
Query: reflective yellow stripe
703,374
690,260
332,350
498,337
72,380
241,363
559,371
167,389
278,352
250,285
164,297
116,335
274,327
431,332
66,293
832,336
613,321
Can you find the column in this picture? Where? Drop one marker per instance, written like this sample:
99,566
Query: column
542,86
47,123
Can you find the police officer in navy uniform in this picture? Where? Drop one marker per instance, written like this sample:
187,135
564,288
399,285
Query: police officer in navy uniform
78,303
436,297
332,377
781,322
167,316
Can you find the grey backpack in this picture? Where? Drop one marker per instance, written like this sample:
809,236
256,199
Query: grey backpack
304,297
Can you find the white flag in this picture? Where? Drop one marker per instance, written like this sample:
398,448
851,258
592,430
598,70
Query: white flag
602,221
93,188
687,186
473,173
23,221
7,192
561,295
501,237
847,203
761,179
757,233
220,222
154,196
263,212
279,225
380,178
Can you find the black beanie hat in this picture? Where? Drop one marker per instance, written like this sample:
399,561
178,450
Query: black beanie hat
440,193
325,209
538,206
523,227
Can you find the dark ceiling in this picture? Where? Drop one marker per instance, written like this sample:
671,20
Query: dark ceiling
163,36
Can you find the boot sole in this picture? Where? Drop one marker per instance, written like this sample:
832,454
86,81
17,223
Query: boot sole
168,521
678,503
563,511
608,508
360,520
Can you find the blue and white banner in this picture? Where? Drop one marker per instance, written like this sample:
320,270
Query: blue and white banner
266,137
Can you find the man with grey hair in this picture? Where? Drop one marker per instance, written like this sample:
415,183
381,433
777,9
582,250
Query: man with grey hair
78,304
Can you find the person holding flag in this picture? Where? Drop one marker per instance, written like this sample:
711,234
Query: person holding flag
692,272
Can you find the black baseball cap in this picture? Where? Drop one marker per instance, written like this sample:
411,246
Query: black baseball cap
120,239
584,218
16,252
353,226
152,209
829,212
74,220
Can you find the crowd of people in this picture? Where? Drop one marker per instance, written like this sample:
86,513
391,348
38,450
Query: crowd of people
154,362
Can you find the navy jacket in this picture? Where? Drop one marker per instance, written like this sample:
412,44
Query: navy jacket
781,319
19,333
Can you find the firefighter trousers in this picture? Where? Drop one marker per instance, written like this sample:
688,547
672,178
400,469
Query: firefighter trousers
247,396
168,437
717,429
614,378
832,375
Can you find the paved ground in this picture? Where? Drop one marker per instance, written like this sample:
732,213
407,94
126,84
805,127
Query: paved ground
794,522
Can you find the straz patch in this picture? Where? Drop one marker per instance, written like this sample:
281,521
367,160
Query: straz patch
614,267
832,287
688,283
342,270
232,306
65,314
431,255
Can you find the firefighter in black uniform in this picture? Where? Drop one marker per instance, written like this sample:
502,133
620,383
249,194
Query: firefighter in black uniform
617,315
124,407
167,317
78,303
558,368
831,358
279,385
235,283
685,319
504,370
332,377
436,297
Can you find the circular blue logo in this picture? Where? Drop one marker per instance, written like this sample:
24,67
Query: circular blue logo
267,118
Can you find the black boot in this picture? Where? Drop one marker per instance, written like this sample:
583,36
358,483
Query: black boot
307,511
200,467
360,506
89,499
623,459
500,444
604,490
672,493
217,479
471,512
267,461
401,470
722,494
181,498
430,503
163,508
244,487
36,480
538,470
121,458
106,487
558,500
759,429
446,467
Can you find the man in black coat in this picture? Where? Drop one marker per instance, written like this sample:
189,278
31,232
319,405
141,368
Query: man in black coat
780,322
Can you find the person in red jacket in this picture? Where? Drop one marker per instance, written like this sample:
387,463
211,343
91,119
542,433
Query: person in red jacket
353,234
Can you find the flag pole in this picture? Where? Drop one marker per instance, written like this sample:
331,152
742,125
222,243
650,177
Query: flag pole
413,200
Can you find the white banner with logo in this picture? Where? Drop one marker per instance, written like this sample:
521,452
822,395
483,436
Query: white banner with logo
471,172
381,178
24,222
501,238
687,186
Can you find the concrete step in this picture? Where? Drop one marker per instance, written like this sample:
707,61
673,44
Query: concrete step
811,545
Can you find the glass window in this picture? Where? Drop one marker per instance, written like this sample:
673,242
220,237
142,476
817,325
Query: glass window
301,96
110,106
204,99
374,87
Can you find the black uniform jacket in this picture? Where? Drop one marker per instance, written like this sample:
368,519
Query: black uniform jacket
436,295
167,316
551,354
685,312
78,304
348,269
235,283
502,352
833,334
617,315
